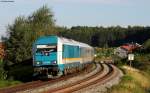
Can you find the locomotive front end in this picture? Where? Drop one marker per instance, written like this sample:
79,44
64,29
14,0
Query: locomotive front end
45,57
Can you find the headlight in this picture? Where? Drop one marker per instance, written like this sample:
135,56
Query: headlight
54,62
37,63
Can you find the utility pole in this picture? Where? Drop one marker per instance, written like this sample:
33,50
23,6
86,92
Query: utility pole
130,63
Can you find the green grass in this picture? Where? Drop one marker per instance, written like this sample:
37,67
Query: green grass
6,83
134,81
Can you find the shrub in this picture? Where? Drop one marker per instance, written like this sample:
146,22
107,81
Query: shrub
3,74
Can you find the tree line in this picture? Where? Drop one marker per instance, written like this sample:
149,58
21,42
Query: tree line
107,36
25,30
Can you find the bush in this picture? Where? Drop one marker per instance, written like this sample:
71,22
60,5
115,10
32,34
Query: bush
3,74
147,45
119,61
22,71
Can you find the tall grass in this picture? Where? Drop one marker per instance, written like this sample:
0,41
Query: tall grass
133,81
6,83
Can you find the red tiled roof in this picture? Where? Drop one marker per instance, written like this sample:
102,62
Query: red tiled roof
129,47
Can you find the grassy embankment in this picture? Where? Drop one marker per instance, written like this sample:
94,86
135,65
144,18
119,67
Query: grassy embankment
136,79
133,81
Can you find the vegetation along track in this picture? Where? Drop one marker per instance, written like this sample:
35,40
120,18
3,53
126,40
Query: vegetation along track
38,83
109,71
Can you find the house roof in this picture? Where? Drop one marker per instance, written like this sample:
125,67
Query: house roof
129,47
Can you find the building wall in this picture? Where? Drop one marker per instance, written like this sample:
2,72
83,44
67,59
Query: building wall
121,52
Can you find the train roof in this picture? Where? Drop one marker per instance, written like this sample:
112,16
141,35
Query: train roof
73,42
54,39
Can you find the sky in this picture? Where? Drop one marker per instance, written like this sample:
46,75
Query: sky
80,12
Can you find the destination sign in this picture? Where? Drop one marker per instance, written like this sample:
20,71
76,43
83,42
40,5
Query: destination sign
46,46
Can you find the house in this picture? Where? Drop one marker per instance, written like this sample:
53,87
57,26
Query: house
125,49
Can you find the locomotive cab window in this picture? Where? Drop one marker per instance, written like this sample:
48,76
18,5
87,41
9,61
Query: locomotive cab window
46,48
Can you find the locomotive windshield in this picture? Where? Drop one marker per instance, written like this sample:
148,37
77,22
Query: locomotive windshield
46,48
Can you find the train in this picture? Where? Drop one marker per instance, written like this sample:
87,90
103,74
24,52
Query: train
57,56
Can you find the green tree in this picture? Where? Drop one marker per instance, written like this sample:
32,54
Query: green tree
2,71
147,45
24,31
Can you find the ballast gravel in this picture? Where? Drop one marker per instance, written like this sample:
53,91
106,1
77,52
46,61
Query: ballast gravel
96,88
63,82
102,88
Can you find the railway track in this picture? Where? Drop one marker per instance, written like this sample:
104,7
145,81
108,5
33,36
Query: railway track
20,87
106,73
35,84
100,77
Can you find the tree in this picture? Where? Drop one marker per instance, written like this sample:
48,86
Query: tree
2,71
24,31
147,45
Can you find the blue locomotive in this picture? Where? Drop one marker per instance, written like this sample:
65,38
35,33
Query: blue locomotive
56,56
